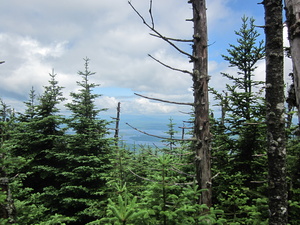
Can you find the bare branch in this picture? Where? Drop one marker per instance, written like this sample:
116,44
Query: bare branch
189,113
150,12
183,164
152,135
258,182
144,178
252,124
172,68
160,35
186,127
161,100
259,155
173,39
181,172
215,175
177,154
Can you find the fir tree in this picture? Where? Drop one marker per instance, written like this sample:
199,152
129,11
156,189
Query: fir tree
239,143
7,161
242,104
38,140
82,193
171,144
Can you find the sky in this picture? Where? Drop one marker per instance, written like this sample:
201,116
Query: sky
39,36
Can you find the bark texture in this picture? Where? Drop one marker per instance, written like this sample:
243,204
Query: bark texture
292,8
7,209
275,116
201,103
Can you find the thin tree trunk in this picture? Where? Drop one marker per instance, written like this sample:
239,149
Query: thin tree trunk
7,209
116,136
293,22
275,116
201,104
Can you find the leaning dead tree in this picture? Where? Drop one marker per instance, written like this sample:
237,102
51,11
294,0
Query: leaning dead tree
275,113
292,8
202,136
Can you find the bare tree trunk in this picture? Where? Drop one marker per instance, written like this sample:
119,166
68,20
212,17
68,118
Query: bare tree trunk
201,103
116,136
200,85
275,116
293,22
7,209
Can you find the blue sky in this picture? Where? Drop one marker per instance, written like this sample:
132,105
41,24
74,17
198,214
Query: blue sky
36,36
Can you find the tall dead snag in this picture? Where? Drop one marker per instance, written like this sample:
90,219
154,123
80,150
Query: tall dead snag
292,8
275,117
201,104
116,136
202,137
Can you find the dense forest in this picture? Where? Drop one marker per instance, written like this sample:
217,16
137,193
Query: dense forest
71,168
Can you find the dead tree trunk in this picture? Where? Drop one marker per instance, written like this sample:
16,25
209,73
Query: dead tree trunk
201,104
202,136
116,136
292,8
275,116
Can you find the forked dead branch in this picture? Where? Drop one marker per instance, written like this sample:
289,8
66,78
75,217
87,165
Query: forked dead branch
201,134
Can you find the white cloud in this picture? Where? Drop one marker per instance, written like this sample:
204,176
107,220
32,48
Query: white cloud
145,106
27,63
39,35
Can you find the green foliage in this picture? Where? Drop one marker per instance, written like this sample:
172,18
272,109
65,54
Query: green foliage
31,210
239,148
32,142
7,161
171,133
166,188
293,163
65,170
124,210
86,157
61,177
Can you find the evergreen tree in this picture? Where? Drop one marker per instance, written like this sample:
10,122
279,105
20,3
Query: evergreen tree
242,102
239,143
82,193
7,209
159,192
171,132
30,110
46,136
38,139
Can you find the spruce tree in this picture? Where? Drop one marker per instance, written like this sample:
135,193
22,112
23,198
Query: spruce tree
242,102
82,194
7,161
239,143
46,136
38,139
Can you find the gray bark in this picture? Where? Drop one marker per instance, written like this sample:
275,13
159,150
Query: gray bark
201,103
275,113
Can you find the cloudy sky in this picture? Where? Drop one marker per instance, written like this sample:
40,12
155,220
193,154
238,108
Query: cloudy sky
38,36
